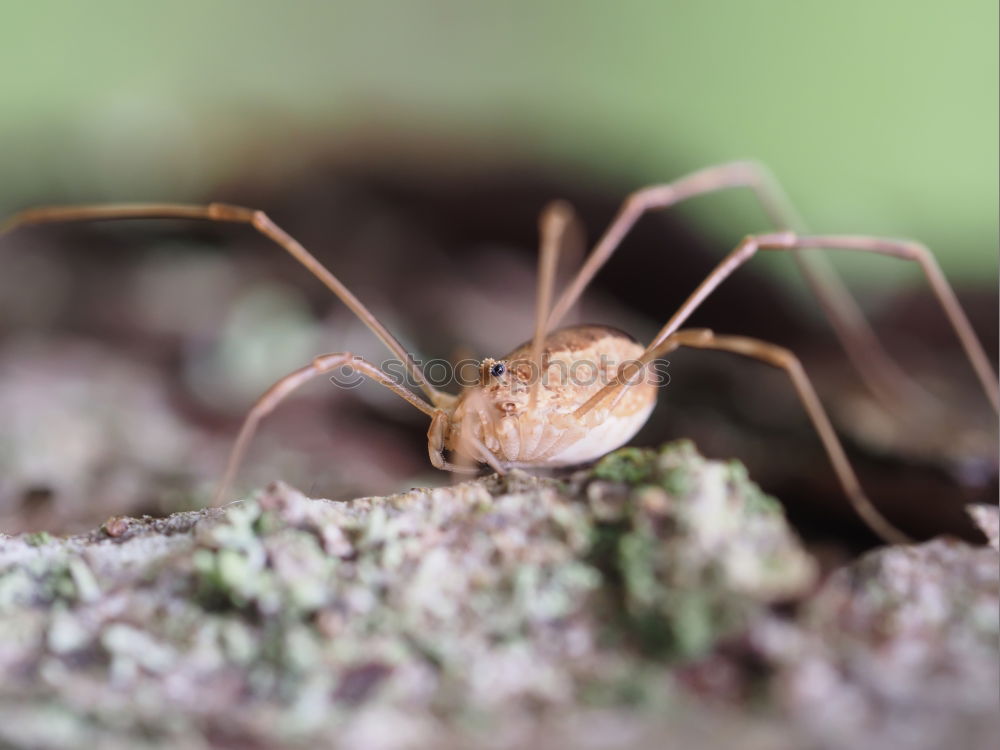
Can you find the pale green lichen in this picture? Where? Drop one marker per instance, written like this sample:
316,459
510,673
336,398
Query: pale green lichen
38,538
696,546
468,614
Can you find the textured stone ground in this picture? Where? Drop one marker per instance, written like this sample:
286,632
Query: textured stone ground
630,605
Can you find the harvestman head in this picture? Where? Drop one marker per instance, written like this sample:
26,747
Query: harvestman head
531,408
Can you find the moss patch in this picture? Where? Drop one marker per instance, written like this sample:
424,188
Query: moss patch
465,614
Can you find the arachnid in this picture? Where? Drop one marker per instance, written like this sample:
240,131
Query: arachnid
570,395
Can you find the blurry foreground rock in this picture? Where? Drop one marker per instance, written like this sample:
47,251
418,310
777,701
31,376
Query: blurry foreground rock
630,605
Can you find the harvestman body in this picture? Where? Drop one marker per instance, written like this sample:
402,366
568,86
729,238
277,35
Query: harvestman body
525,411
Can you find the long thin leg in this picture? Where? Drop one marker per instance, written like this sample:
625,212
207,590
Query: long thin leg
879,371
290,383
788,241
553,223
235,214
785,360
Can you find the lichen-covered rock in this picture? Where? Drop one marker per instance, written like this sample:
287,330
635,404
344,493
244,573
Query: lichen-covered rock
695,545
511,612
899,649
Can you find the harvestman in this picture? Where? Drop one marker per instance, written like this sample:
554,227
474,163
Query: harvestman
514,418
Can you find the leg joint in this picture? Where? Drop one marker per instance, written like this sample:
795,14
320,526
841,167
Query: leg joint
330,360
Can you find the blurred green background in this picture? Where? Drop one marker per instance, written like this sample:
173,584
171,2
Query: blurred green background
880,117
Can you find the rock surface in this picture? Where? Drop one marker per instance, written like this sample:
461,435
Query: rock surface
626,605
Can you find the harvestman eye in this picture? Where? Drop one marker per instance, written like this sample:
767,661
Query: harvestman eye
569,428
